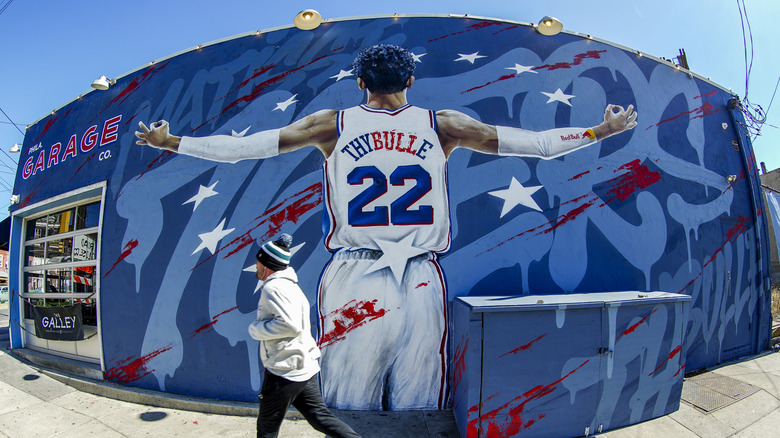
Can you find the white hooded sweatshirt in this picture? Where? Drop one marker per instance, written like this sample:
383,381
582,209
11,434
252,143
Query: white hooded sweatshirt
287,347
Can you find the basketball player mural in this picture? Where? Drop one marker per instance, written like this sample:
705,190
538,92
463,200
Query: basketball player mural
387,209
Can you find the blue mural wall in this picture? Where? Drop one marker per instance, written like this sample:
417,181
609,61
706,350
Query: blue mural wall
651,209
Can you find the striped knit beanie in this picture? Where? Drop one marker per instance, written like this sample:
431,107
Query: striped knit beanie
276,254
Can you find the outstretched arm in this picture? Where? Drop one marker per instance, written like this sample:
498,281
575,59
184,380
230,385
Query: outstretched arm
456,129
318,129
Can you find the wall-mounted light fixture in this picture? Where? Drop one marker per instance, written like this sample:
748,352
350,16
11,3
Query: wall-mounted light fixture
307,19
102,83
549,26
16,148
15,199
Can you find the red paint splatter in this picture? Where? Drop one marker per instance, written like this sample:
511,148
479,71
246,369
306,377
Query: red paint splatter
671,355
422,285
289,210
353,315
52,122
129,247
514,26
132,87
568,217
32,193
579,198
549,224
507,420
577,61
524,347
706,109
579,175
710,94
740,177
632,328
161,158
210,326
578,58
128,370
690,283
682,367
459,364
476,26
731,235
638,177
136,114
502,78
259,88
258,72
82,165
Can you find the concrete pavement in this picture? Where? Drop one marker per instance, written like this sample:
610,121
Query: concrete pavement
740,400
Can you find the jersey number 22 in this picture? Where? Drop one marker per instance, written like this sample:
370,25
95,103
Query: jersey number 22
399,211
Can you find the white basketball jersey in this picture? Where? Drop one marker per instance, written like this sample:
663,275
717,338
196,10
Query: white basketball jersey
386,180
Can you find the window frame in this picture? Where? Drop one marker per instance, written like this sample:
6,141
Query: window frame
89,298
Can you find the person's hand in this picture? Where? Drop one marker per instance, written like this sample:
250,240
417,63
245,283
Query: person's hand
158,136
618,120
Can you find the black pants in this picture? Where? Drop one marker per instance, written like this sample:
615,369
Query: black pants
278,393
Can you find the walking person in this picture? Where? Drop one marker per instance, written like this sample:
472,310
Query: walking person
287,349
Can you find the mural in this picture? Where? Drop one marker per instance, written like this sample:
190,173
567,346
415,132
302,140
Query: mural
671,205
386,245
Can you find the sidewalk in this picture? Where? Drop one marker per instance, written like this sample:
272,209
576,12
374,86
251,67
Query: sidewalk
740,400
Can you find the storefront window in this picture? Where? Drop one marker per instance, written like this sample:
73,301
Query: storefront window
34,254
36,229
87,216
34,282
83,279
60,260
60,222
84,247
59,251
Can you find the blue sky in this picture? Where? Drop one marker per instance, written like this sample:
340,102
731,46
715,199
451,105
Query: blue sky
53,49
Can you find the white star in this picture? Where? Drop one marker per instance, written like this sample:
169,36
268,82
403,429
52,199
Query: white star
242,133
295,248
253,268
516,195
559,96
211,239
283,105
342,74
203,193
395,255
522,69
417,57
470,58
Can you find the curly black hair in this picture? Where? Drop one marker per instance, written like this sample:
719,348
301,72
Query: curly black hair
384,68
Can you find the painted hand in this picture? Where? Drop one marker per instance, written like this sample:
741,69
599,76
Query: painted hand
158,136
618,119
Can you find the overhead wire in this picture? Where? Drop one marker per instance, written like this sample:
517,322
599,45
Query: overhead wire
17,128
755,115
5,6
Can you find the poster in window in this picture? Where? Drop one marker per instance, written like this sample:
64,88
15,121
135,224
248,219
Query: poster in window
60,323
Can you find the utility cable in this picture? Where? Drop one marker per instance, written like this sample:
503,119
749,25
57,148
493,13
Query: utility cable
5,6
